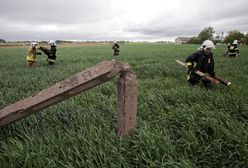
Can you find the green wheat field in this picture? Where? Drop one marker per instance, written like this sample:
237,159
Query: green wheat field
177,125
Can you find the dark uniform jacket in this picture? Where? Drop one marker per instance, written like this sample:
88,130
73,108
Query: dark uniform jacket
116,49
53,52
233,50
202,62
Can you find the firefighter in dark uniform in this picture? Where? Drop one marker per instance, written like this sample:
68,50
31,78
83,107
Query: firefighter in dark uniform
31,56
51,54
232,50
203,61
116,48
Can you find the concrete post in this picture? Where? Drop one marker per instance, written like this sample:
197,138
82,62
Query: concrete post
127,103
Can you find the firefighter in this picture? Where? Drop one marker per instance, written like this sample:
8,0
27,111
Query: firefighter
232,49
31,56
203,61
51,54
116,48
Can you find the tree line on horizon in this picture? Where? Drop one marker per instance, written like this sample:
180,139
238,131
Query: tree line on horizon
208,34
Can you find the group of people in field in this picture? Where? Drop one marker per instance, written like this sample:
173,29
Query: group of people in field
51,53
203,61
33,52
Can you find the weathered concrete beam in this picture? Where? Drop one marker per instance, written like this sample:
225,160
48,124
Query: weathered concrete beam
75,84
127,102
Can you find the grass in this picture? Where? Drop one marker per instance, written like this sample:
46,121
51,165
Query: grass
178,125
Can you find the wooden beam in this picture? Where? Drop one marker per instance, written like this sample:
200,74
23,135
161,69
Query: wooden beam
201,74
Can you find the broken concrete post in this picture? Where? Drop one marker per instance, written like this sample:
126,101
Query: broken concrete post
102,72
127,102
82,81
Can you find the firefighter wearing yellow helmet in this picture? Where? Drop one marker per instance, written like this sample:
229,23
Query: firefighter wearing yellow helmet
31,56
203,61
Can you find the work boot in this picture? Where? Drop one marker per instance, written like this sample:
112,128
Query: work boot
209,87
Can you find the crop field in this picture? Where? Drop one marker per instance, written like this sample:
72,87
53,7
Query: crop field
177,125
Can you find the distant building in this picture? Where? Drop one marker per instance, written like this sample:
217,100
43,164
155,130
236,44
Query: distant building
182,40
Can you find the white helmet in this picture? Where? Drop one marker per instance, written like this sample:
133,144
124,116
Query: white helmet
207,44
115,42
52,42
235,42
33,44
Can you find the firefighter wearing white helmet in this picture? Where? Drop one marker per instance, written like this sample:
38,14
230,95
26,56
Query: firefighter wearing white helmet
116,49
235,42
52,42
33,44
203,61
232,49
207,44
31,56
51,54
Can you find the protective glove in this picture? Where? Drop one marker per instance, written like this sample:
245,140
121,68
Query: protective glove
191,68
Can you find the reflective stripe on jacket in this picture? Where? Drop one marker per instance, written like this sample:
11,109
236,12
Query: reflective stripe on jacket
233,48
31,54
204,63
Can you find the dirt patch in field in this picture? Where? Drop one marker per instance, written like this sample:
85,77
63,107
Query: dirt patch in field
25,45
13,45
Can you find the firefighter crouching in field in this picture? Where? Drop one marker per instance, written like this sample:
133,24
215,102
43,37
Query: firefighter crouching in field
31,56
51,54
232,50
203,61
116,48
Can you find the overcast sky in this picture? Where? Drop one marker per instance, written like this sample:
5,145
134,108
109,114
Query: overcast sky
118,19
